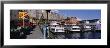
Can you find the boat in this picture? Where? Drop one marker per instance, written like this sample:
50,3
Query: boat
72,27
55,27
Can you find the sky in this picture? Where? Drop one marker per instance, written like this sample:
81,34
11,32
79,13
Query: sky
81,14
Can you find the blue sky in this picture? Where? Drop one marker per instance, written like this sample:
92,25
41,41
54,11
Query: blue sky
81,14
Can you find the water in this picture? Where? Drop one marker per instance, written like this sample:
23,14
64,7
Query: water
92,35
79,35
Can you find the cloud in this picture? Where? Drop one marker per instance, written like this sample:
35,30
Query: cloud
79,19
55,11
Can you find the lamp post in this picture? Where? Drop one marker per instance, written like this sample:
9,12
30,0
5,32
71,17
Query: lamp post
47,11
47,27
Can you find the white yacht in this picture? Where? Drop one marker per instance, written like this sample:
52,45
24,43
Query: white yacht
72,27
55,27
87,26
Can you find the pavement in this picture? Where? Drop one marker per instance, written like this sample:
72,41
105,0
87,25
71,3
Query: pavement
36,34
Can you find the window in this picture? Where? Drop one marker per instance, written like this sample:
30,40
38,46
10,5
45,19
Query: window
53,29
75,28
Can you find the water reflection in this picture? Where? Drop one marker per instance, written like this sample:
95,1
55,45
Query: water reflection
78,35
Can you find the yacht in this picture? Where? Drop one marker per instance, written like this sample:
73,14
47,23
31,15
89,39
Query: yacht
72,27
55,27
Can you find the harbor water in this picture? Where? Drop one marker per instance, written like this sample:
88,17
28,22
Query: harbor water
77,35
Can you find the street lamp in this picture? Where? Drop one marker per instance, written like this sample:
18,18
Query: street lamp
47,28
47,11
